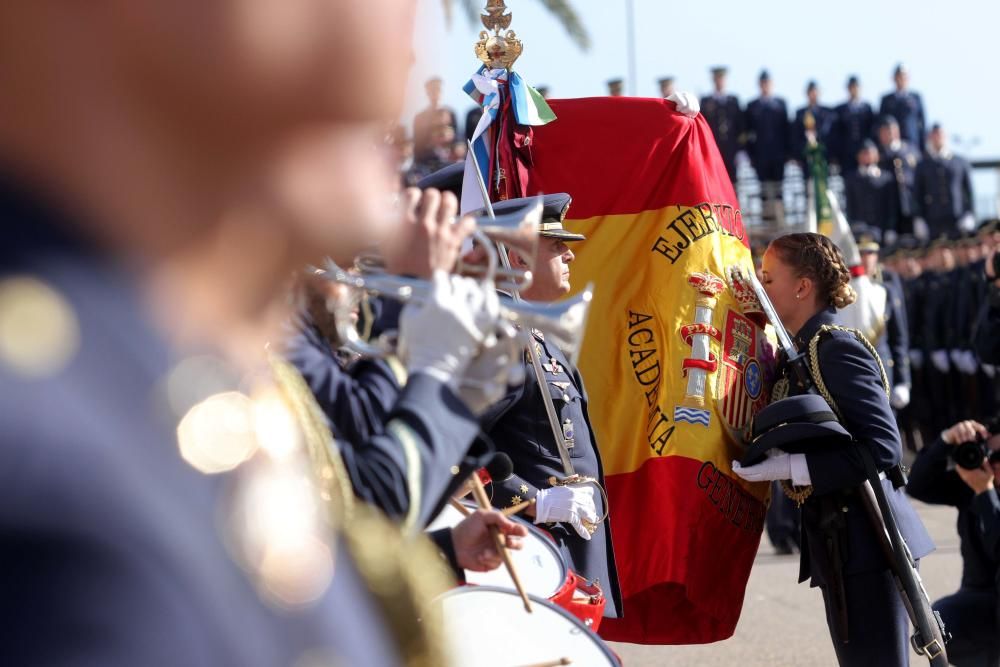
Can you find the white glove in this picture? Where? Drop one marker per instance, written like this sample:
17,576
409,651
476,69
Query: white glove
990,370
777,465
940,360
687,103
920,228
968,363
489,375
900,396
956,357
917,358
889,237
569,504
440,336
967,222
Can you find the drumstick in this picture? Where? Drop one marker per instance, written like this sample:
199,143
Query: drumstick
465,511
517,508
484,502
553,663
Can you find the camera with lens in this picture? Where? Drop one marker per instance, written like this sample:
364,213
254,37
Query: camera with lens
970,455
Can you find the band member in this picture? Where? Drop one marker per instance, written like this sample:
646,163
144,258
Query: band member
135,241
519,426
807,280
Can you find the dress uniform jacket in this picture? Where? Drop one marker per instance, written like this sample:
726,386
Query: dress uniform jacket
519,426
943,192
872,198
908,110
766,121
824,118
361,400
724,116
853,123
901,163
852,377
110,546
838,540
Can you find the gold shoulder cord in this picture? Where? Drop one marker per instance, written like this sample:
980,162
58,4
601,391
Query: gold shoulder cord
799,494
403,574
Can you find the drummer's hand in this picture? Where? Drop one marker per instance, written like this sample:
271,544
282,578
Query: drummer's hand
474,546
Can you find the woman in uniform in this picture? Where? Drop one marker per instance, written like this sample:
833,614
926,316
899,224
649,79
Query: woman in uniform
807,281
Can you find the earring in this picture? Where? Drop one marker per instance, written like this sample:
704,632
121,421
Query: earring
798,296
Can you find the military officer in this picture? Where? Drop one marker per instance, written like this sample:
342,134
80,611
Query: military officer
900,159
943,189
766,122
724,116
871,193
906,107
853,125
519,426
822,124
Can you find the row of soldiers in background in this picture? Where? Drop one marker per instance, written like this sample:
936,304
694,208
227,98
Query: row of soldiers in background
945,291
771,138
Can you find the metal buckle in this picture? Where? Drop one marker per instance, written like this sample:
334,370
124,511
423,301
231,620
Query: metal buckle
926,649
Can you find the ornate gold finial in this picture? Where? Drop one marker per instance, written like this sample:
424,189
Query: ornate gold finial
497,51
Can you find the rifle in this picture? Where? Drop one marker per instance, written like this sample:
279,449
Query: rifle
929,636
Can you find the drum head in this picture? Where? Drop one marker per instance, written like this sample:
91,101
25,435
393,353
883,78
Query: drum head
539,564
489,627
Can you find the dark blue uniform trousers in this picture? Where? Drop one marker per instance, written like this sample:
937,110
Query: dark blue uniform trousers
877,624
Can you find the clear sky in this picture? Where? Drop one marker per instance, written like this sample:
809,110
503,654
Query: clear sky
950,48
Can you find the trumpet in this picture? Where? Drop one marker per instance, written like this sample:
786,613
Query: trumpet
564,321
517,230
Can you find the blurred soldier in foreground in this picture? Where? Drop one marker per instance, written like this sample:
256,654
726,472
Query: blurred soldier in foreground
853,125
724,116
160,182
906,107
767,145
943,189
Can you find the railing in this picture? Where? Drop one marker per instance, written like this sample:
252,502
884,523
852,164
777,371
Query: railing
986,192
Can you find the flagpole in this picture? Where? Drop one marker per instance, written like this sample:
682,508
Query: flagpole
630,45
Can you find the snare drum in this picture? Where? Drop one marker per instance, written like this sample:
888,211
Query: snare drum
487,626
539,564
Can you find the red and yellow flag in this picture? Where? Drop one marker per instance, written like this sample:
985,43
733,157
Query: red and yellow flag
672,358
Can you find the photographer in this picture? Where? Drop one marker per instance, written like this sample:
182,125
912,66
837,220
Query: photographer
959,469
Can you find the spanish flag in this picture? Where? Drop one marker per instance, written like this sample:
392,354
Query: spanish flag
674,359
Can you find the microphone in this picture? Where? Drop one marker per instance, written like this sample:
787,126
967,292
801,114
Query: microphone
500,469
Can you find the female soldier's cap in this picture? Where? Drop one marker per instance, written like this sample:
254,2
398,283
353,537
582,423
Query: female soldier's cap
795,425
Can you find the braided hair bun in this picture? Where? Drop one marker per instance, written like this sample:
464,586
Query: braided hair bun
816,257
